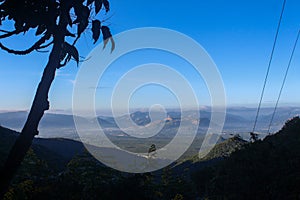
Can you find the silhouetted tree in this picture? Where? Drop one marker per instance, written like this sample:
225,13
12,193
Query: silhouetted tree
253,137
54,21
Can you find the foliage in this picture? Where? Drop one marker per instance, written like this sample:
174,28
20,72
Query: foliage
54,21
46,16
176,185
267,169
31,179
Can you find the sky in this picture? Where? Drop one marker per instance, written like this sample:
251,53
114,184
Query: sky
238,35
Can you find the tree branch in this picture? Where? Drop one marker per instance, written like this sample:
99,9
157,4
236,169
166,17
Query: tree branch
41,51
10,33
36,46
76,40
4,31
66,60
46,45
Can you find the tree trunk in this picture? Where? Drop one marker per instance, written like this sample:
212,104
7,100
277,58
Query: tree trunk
39,106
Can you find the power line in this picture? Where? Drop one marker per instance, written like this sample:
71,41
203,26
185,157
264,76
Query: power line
269,66
284,80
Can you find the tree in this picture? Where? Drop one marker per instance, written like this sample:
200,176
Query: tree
253,137
54,21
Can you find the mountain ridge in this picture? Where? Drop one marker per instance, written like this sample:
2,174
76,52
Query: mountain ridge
235,169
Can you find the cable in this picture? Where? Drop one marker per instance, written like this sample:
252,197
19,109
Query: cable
269,66
284,80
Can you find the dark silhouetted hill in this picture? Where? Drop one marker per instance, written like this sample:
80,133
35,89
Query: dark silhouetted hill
233,169
55,151
267,169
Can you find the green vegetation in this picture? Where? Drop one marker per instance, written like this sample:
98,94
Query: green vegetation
221,150
234,169
267,169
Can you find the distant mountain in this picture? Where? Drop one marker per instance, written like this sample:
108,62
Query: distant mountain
172,120
47,127
140,118
107,122
238,120
13,120
233,169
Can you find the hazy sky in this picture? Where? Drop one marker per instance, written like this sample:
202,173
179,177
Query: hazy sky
238,35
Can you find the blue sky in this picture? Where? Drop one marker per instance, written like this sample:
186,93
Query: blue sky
238,35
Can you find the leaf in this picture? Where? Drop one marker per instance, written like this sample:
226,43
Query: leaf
68,58
82,26
83,13
89,2
62,55
96,26
72,51
106,32
108,36
18,25
113,44
105,43
68,33
41,29
106,5
69,20
76,21
98,5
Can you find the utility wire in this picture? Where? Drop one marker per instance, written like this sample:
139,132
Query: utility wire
284,80
269,66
